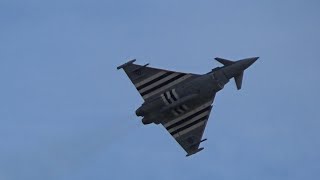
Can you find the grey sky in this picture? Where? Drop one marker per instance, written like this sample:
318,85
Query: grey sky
67,113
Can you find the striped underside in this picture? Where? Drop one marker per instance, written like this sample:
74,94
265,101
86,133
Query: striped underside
189,121
160,82
170,97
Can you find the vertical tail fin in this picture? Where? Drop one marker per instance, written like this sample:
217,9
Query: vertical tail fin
238,80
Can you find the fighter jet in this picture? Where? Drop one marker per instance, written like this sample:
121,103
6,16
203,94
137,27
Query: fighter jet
180,101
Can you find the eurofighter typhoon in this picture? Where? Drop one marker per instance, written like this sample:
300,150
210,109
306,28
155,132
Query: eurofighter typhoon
182,102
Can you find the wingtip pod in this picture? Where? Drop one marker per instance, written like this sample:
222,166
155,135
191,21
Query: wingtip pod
126,64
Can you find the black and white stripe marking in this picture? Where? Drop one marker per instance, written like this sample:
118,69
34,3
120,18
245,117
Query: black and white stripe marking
179,110
189,121
147,80
170,97
159,82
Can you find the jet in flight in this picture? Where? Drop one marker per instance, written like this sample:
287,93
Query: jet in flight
180,101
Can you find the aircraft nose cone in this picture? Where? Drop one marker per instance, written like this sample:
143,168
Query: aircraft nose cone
249,61
253,59
238,67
